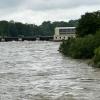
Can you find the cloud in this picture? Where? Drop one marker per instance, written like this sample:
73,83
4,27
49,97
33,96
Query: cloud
58,4
41,5
6,4
37,11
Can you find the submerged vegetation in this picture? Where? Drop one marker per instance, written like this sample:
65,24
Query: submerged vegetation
87,43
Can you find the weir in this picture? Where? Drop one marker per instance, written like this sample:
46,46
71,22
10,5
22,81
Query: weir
41,38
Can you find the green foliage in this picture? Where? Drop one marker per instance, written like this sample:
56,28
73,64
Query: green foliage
96,58
88,40
46,28
65,46
81,47
88,24
15,29
4,28
73,23
12,29
97,55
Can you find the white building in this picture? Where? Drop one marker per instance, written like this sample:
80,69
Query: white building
63,33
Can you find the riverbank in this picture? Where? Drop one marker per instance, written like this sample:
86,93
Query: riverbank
83,48
86,45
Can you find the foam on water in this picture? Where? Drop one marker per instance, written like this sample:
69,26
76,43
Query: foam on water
37,71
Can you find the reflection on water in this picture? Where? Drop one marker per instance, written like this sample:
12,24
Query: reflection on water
37,71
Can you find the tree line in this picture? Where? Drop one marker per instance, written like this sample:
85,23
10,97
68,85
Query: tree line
17,29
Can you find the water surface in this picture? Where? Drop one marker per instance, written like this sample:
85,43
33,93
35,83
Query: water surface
37,71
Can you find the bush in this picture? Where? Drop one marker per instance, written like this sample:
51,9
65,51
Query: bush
65,45
96,58
81,47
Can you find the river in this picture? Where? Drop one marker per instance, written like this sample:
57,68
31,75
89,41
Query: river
37,71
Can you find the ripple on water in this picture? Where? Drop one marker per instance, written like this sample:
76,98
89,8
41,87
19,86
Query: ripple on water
37,71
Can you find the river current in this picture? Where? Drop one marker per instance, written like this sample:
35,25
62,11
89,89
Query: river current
37,71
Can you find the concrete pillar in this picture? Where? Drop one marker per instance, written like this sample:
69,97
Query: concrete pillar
19,39
37,38
2,40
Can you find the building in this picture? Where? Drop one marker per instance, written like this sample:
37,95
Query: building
63,33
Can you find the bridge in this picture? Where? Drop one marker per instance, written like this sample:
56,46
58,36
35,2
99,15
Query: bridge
41,38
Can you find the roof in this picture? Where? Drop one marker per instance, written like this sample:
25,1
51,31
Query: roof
65,27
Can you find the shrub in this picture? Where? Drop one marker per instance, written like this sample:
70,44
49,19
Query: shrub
96,58
65,45
81,47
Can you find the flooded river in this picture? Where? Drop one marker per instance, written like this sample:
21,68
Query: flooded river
37,71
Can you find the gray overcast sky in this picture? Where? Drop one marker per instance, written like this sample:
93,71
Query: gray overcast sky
37,11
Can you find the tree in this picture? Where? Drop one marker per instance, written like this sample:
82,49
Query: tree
15,29
46,29
19,27
72,23
88,24
4,28
12,29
